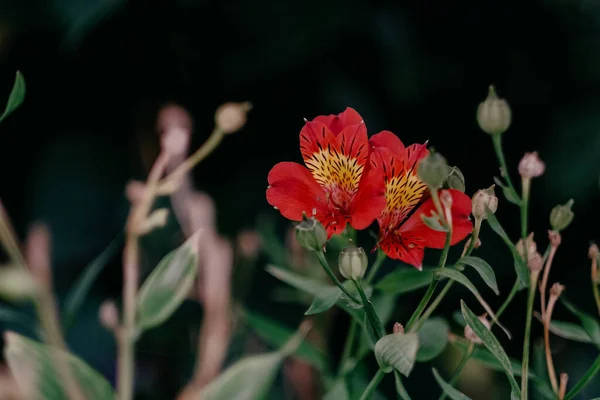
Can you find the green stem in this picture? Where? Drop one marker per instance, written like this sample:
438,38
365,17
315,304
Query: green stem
463,361
347,347
589,375
526,185
327,268
512,294
497,139
526,339
400,389
370,311
376,265
596,295
372,385
474,237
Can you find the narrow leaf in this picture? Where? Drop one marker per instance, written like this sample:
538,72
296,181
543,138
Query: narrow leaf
508,193
520,266
8,315
339,391
484,269
168,285
463,280
16,97
568,330
400,389
404,280
324,300
490,341
448,389
433,337
433,222
397,351
590,324
303,283
32,365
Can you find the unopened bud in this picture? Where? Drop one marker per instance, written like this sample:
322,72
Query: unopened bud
593,252
446,199
16,284
556,290
311,234
456,180
493,114
433,170
482,200
109,315
398,328
561,216
231,117
353,262
535,262
555,238
529,245
531,166
472,336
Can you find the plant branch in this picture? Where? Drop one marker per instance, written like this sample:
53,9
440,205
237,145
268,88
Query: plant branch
589,375
527,338
461,364
372,385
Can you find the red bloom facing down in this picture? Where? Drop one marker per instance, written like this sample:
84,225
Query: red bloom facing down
338,187
401,236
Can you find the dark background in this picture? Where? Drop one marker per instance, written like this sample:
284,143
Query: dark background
97,72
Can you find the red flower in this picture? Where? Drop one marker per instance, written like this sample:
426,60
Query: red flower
401,236
338,187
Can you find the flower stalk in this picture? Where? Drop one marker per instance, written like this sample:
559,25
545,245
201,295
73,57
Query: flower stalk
555,292
526,340
368,393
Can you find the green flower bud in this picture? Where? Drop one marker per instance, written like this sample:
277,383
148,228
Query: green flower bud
353,262
561,216
484,198
433,170
493,114
311,234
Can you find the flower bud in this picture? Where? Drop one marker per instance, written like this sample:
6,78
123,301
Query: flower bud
593,251
531,166
398,328
556,289
109,315
231,117
535,262
472,336
433,170
353,262
484,198
555,238
493,114
561,216
530,246
311,234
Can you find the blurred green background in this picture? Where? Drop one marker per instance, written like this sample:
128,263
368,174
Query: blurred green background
97,72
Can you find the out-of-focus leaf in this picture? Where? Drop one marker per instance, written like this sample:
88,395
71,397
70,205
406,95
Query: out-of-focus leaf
484,269
400,389
590,324
520,267
568,330
8,315
492,344
397,351
404,280
324,300
339,391
456,180
277,335
16,97
80,289
270,241
508,194
250,378
433,337
448,389
32,365
459,319
168,285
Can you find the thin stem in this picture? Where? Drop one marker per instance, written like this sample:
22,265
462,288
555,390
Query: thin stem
474,237
9,239
372,385
497,139
549,362
589,375
509,298
595,283
347,347
370,312
327,268
376,265
461,364
526,339
526,185
544,283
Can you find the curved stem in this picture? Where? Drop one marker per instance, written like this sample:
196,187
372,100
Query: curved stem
526,185
370,311
327,268
509,298
544,282
526,339
595,283
497,139
589,375
372,385
461,364
376,265
474,237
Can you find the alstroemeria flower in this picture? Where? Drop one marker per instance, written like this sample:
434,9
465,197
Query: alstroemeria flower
402,235
336,186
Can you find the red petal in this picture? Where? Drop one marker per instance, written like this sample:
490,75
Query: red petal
461,225
354,143
333,223
293,190
407,248
315,138
388,140
414,154
369,201
337,123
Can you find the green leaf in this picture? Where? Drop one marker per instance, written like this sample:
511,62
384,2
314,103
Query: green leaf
80,289
324,300
271,244
433,222
463,280
168,285
568,330
8,315
456,180
252,377
397,351
384,304
32,365
490,341
590,324
404,280
400,389
277,335
459,319
433,337
448,389
508,193
484,269
520,266
16,97
339,391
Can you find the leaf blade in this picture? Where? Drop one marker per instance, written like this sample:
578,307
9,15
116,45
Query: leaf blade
433,338
484,269
405,280
453,393
16,97
397,351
